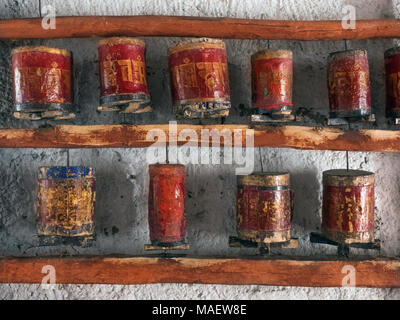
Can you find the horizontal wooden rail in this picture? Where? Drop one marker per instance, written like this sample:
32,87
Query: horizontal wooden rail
142,270
138,136
174,26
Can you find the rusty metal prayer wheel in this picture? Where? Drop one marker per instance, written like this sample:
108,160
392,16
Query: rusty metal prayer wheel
123,84
167,218
348,206
348,84
272,78
42,85
66,199
264,207
392,68
199,78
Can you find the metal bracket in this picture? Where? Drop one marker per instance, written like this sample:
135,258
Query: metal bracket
264,248
346,121
166,250
343,249
152,247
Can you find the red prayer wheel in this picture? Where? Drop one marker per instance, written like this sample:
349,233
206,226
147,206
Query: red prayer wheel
199,79
272,78
264,207
123,84
392,68
42,85
66,201
348,84
167,218
348,206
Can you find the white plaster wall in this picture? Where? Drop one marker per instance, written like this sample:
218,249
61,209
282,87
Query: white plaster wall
122,175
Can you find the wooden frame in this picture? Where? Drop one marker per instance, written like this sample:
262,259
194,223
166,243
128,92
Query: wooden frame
294,271
144,270
134,136
102,26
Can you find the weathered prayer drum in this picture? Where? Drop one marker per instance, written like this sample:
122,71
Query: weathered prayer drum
348,84
264,207
167,218
348,206
392,67
66,201
272,78
123,84
42,85
199,79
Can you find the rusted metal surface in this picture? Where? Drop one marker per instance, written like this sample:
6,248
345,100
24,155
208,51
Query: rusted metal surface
349,84
272,78
42,85
167,217
264,207
123,84
199,79
392,68
66,199
348,206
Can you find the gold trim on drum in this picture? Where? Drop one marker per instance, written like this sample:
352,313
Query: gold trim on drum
348,237
62,52
264,236
346,53
271,53
121,40
200,43
351,178
265,179
201,100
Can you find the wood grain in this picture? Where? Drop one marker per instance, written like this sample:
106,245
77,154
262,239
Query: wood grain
102,26
142,270
134,136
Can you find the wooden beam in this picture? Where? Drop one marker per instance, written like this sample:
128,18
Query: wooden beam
134,136
142,270
173,26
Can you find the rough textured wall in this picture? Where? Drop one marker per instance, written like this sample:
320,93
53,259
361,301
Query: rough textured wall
122,175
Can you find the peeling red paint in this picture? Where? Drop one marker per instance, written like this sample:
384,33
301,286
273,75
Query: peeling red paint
167,218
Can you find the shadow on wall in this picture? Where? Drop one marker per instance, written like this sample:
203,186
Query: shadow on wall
307,188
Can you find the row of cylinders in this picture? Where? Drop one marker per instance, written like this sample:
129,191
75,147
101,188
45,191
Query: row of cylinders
199,81
265,203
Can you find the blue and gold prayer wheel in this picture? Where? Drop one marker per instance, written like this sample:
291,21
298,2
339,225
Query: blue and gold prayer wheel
65,205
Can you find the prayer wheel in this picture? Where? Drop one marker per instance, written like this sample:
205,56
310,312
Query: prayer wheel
348,84
348,206
66,200
123,84
167,218
392,68
199,79
42,85
272,79
264,207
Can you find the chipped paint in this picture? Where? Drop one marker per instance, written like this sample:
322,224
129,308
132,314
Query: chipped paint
167,217
66,199
348,206
264,207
